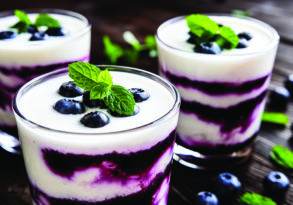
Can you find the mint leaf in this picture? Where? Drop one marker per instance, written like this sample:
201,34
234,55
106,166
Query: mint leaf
21,27
132,40
112,51
202,25
100,91
131,55
250,198
282,156
240,13
120,101
47,20
275,118
229,37
151,45
22,17
85,75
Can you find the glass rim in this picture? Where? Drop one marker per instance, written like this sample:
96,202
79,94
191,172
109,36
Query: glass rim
273,32
171,88
73,14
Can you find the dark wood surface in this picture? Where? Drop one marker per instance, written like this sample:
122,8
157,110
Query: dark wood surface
113,17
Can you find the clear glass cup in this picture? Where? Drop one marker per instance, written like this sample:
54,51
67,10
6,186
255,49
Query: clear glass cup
24,60
223,97
122,167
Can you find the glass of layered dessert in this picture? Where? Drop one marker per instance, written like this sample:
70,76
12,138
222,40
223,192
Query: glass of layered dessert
100,145
221,66
33,43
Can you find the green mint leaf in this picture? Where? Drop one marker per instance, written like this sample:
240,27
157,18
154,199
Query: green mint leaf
250,198
105,77
120,101
100,91
112,51
131,55
21,27
150,42
229,37
85,75
47,20
132,40
202,25
275,118
282,156
22,17
240,13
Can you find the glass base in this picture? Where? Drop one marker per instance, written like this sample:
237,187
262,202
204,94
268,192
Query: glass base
196,160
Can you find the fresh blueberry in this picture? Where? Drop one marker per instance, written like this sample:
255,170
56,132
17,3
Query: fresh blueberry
55,32
206,198
208,48
95,119
279,98
39,36
66,106
136,111
193,39
69,89
92,103
139,94
228,186
4,35
289,84
32,29
276,184
245,35
242,43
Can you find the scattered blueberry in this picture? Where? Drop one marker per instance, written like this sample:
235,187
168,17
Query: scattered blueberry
245,35
228,186
39,36
278,98
4,35
242,43
95,119
32,29
55,32
276,184
136,111
289,84
66,106
206,198
208,48
69,89
139,94
92,103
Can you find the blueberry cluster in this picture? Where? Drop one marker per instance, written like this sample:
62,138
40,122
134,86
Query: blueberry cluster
228,188
213,47
36,34
93,119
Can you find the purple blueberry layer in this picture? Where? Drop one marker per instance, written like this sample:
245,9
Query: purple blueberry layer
113,165
229,118
146,196
216,88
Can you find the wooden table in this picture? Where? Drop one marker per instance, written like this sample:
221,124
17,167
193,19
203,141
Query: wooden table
113,17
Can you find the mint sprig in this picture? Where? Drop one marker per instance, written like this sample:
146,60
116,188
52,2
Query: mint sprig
275,118
113,51
23,21
47,20
100,84
282,156
251,198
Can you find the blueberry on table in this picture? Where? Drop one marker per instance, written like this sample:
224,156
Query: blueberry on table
4,35
95,119
228,186
55,32
208,48
69,89
92,103
32,29
242,44
206,198
279,98
39,36
289,84
245,35
276,184
139,94
66,106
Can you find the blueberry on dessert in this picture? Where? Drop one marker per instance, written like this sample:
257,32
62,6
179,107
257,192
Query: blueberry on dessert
208,48
139,94
92,103
95,119
228,186
58,31
206,198
242,43
32,29
276,184
245,35
289,84
279,98
66,106
39,36
4,35
69,89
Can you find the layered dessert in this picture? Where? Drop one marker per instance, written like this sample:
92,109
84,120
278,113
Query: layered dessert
35,43
222,78
82,152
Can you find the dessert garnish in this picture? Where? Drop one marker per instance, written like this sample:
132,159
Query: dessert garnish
282,156
99,83
251,198
275,118
139,94
66,106
206,198
95,119
70,90
276,184
92,103
211,38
